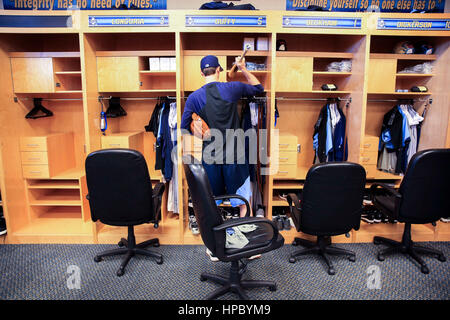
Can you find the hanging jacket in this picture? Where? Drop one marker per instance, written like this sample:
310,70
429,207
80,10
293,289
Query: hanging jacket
329,140
320,135
167,143
392,137
153,124
340,147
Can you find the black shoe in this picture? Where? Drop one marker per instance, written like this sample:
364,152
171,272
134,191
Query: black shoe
278,222
378,217
286,223
368,217
2,226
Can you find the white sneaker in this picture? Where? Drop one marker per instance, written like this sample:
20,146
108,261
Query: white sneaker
446,219
211,256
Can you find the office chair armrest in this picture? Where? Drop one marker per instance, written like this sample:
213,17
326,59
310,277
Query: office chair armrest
295,208
158,190
392,191
389,189
235,196
292,198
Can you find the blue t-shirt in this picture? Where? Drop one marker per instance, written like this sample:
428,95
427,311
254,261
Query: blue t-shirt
229,91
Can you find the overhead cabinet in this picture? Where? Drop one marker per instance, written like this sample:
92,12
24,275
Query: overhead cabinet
294,74
32,75
118,74
61,73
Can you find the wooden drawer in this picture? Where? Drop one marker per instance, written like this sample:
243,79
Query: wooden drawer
288,143
287,158
287,171
33,144
29,157
36,171
127,140
368,158
370,143
47,156
115,142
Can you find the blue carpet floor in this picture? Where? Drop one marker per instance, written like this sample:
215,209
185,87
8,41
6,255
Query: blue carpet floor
39,272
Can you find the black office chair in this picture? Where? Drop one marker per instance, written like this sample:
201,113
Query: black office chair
422,198
331,204
212,229
120,194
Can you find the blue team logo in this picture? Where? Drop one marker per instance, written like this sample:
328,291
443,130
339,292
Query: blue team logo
92,21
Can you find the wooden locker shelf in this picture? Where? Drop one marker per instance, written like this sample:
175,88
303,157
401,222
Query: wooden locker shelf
334,74
413,75
403,56
139,53
393,231
235,53
60,54
315,54
52,184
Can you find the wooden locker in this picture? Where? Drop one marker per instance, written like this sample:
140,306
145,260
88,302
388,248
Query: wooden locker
118,74
294,74
193,80
32,75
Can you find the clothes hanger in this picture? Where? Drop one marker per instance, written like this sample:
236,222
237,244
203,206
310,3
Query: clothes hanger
38,111
115,110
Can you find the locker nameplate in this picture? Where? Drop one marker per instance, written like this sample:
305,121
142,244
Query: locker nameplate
129,21
413,24
226,21
321,22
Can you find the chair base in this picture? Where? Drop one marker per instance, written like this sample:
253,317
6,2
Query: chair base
408,247
130,250
323,248
234,283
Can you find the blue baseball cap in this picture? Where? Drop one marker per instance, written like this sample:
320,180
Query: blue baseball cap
210,62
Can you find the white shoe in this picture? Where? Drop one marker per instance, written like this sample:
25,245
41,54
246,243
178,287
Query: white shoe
211,256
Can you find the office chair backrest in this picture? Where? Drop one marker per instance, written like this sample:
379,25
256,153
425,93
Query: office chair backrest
120,190
205,208
424,189
332,198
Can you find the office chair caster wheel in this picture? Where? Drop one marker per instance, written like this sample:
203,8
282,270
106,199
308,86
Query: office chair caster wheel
380,257
159,261
156,244
331,272
442,258
376,242
121,244
202,278
120,272
292,260
352,258
424,269
97,259
273,288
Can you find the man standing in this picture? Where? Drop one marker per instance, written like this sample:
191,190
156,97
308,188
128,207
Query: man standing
216,104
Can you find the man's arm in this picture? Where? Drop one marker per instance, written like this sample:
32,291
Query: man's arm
251,79
186,118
